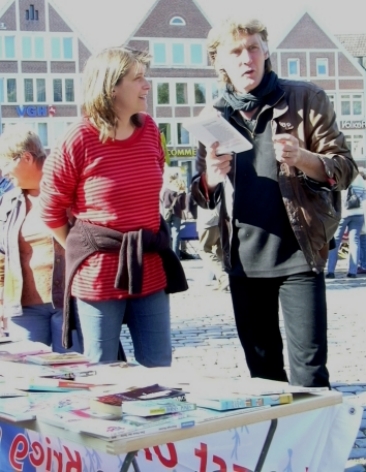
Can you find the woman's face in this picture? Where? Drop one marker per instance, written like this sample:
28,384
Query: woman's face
130,95
23,171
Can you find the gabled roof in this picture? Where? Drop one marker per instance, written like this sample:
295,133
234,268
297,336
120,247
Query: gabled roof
306,34
354,43
156,21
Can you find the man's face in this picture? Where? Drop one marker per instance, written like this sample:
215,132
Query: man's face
243,60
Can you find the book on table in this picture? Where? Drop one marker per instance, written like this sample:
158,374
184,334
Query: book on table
100,426
233,402
113,402
56,358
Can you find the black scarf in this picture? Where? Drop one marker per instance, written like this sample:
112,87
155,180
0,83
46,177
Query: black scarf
255,98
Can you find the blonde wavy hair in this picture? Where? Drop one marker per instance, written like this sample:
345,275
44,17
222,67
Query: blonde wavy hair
230,29
102,72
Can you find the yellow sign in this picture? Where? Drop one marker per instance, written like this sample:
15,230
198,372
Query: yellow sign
182,152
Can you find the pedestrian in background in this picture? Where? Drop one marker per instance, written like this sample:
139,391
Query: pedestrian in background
173,203
108,170
280,202
352,219
210,245
32,262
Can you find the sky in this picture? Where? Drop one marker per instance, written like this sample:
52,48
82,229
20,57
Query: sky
109,22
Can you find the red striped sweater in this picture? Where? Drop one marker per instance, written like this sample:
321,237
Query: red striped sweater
115,184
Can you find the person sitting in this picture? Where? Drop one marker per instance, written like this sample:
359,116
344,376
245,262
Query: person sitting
31,261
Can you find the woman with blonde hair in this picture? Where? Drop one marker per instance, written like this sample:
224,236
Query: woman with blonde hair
108,170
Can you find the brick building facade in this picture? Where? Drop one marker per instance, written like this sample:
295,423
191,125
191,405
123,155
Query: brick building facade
41,58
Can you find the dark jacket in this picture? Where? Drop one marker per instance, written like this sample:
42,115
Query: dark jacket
303,110
170,196
85,239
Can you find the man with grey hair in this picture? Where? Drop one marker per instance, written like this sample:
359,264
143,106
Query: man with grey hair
280,203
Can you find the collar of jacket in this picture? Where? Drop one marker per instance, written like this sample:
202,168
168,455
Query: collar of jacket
275,101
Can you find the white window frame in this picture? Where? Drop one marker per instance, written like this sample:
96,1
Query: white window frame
35,100
333,100
61,38
177,21
4,91
352,99
187,62
211,86
322,62
297,61
63,82
2,47
32,39
174,132
356,141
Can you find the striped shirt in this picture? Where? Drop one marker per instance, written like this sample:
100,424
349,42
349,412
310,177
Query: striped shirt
114,184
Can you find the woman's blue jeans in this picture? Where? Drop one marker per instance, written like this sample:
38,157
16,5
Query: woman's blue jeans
148,320
354,224
43,323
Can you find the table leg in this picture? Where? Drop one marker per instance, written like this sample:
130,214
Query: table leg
130,459
266,445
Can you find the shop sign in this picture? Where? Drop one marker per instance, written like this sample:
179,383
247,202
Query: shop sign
182,152
361,124
33,111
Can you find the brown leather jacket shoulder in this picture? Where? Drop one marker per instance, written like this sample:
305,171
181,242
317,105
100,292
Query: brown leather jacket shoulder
314,211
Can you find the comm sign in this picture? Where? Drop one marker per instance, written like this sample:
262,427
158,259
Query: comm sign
182,152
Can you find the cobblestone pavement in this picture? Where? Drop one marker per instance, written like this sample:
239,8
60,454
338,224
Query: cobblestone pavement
204,335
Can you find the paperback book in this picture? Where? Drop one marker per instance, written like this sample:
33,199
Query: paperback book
222,403
157,407
94,424
114,402
55,358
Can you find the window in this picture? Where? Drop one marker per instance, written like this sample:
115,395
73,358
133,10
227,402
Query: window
7,47
43,133
214,90
199,94
322,67
332,99
166,129
293,67
181,93
182,135
62,48
178,54
355,143
351,105
31,14
34,95
11,90
196,51
159,55
63,90
163,94
33,47
177,21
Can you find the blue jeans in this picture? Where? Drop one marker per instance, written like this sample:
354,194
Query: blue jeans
363,251
354,224
148,319
174,227
43,323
